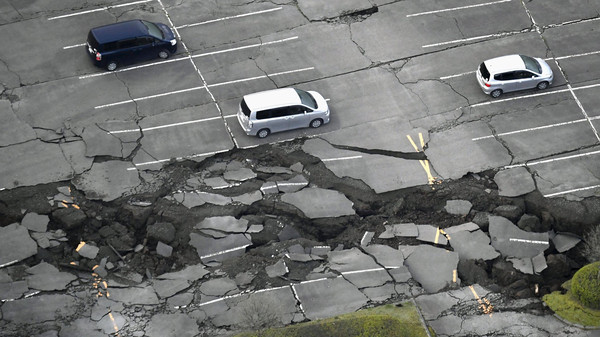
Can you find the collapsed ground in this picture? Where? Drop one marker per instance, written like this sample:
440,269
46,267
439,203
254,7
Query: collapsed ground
120,228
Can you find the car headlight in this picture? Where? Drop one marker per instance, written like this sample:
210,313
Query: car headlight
173,42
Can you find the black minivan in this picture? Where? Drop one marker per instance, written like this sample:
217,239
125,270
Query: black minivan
129,42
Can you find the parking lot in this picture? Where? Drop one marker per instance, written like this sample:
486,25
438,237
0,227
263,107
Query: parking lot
390,71
406,111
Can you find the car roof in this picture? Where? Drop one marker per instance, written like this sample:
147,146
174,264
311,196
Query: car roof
119,31
272,98
505,63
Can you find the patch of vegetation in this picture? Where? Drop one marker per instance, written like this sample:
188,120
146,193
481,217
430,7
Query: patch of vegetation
585,285
581,301
383,321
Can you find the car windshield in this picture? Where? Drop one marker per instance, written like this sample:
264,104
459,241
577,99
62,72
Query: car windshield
484,71
306,98
153,30
531,64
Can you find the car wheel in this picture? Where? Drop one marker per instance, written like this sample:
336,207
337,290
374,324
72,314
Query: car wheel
496,93
263,133
315,123
542,85
112,65
163,54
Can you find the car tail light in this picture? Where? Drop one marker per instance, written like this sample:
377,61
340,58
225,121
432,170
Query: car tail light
487,84
98,56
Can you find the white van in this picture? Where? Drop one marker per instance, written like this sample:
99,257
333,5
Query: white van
265,112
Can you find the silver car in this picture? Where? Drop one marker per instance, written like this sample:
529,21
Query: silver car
266,112
512,73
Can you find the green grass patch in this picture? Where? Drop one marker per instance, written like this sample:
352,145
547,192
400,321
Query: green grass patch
383,321
567,307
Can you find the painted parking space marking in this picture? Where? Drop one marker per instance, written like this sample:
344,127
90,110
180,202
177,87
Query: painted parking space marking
474,38
98,9
164,126
184,58
546,161
229,18
457,75
133,100
571,191
260,77
75,46
458,8
484,304
431,180
225,251
160,161
342,158
534,128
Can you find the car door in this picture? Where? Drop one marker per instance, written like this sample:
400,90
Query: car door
297,117
145,49
527,79
272,119
125,52
508,81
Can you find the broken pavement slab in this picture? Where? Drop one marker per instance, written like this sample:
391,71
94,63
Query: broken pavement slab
39,309
403,230
564,241
46,277
228,224
116,139
172,325
458,207
472,245
434,268
429,233
47,166
511,241
380,172
328,297
210,249
108,180
320,203
514,182
35,222
15,244
467,155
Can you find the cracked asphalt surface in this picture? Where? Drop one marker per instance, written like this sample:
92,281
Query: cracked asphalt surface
108,176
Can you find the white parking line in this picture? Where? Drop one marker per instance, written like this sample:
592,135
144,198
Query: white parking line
477,38
133,100
187,57
229,17
164,126
342,158
535,128
571,191
259,77
546,161
178,158
99,9
74,46
457,75
458,8
201,87
224,251
520,97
